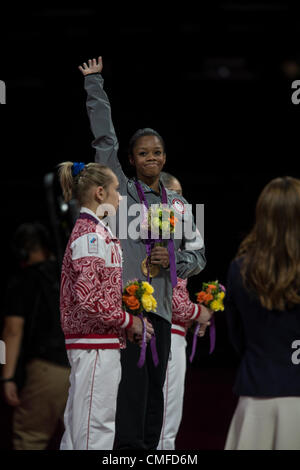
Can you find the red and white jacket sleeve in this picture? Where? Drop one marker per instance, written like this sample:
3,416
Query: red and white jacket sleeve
183,309
97,289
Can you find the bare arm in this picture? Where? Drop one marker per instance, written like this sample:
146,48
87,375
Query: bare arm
12,337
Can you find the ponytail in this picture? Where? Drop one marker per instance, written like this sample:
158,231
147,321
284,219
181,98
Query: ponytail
66,179
77,178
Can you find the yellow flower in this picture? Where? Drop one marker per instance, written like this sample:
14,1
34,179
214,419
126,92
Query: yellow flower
149,302
148,288
220,295
216,305
155,222
154,304
165,226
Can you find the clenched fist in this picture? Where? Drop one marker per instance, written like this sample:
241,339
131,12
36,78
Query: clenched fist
160,255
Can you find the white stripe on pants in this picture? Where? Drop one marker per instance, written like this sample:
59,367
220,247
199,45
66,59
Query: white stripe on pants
91,407
265,424
173,392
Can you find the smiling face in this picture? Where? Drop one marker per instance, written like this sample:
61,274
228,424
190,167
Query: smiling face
148,157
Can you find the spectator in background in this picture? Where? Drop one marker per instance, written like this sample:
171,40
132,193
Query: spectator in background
263,313
35,376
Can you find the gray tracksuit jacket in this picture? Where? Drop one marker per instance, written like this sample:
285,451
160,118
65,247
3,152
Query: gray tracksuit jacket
189,253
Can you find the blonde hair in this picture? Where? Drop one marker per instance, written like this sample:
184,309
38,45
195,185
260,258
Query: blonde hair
93,174
271,251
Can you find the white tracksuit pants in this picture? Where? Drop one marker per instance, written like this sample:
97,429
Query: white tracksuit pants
90,411
173,392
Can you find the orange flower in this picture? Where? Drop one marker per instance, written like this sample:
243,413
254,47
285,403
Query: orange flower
200,296
132,289
207,298
131,302
211,287
173,220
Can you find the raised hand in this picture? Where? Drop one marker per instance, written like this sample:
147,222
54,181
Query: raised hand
93,67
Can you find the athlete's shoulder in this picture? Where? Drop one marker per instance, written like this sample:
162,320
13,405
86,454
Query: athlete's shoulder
177,202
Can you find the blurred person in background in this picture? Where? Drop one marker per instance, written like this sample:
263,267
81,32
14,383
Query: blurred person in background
263,312
35,377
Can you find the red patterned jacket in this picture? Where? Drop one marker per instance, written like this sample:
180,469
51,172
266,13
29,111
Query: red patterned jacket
183,309
91,287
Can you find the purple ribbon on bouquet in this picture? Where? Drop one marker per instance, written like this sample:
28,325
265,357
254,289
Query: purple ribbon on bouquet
154,350
142,357
212,336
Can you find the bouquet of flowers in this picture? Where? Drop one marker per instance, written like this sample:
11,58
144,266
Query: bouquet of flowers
161,220
137,298
212,296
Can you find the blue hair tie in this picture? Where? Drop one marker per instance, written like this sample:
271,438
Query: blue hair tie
77,168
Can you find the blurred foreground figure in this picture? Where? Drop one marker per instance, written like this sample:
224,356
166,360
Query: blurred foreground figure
263,312
35,376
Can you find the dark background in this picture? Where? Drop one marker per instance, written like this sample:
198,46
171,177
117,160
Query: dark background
213,78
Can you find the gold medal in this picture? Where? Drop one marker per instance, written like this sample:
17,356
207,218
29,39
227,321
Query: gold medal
153,268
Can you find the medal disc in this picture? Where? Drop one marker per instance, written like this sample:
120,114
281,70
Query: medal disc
153,268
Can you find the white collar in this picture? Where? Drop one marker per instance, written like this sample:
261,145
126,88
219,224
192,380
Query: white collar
90,212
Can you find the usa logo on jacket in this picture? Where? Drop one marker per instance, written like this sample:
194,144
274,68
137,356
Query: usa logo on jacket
178,206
